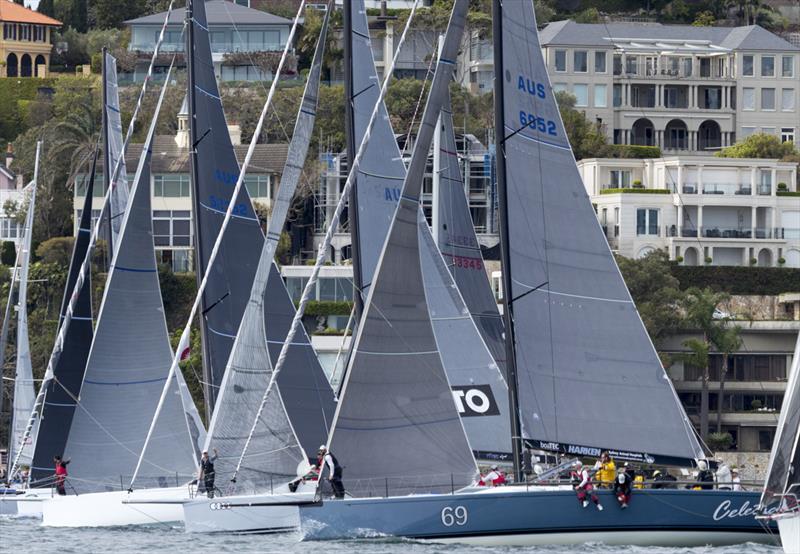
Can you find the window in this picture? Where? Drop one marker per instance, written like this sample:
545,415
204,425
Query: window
579,61
9,228
335,288
631,64
617,91
600,96
747,131
787,99
747,66
787,134
561,60
620,179
768,130
599,62
767,66
581,93
257,186
787,66
617,64
767,98
558,87
172,228
174,185
646,221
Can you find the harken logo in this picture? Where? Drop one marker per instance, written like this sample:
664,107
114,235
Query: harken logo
475,400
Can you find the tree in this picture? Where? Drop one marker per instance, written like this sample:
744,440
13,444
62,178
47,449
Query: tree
726,340
8,253
704,19
587,139
759,145
110,14
46,7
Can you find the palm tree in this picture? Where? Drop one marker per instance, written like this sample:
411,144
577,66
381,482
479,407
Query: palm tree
726,340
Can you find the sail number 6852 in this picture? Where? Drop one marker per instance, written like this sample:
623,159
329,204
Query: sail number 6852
454,516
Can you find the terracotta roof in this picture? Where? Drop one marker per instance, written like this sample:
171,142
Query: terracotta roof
9,11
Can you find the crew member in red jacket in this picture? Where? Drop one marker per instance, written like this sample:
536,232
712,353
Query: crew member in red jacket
583,486
61,475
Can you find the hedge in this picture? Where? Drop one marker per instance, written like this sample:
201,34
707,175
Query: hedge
738,279
787,193
632,151
328,307
635,191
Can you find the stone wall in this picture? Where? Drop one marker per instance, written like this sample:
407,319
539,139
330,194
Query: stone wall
752,466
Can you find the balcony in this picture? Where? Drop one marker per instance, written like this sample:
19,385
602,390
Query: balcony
216,47
671,70
747,233
729,189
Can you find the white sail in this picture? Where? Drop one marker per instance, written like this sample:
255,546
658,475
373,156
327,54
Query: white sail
114,152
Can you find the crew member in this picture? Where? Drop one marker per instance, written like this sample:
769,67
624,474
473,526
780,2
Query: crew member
622,488
736,483
663,480
583,486
207,474
527,463
606,470
704,476
334,471
494,478
61,475
724,477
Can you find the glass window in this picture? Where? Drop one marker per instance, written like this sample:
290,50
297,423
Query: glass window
617,64
295,287
561,60
787,134
599,62
747,66
620,178
257,185
171,185
787,99
767,66
631,65
787,66
646,221
581,93
161,232
748,99
767,98
558,87
600,93
747,131
617,90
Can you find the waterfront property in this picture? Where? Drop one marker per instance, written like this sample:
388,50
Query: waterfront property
702,210
25,44
11,184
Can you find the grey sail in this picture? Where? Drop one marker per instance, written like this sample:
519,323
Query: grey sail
58,407
459,245
128,363
588,375
24,385
783,472
396,422
273,453
113,154
382,171
214,173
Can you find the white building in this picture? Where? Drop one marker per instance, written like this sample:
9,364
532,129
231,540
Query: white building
11,185
702,210
683,88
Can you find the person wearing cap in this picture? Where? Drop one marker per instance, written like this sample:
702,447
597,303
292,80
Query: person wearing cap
583,486
663,480
705,478
605,470
494,478
207,474
623,486
724,477
334,470
736,483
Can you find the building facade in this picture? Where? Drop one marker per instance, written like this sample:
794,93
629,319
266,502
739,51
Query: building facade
244,41
25,44
685,89
702,210
11,185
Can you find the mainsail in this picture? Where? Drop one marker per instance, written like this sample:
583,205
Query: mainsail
259,445
24,386
58,407
113,147
459,245
396,401
128,364
783,473
588,376
478,387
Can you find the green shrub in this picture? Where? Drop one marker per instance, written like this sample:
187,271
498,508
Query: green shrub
782,186
708,260
753,261
781,260
634,191
8,253
719,441
787,193
328,307
632,151
739,280
756,404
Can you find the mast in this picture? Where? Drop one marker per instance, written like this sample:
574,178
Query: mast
352,207
107,168
208,386
508,313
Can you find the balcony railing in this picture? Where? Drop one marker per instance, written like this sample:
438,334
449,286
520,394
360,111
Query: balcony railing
651,71
731,189
216,47
748,233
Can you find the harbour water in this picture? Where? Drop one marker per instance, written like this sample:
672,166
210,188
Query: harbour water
27,535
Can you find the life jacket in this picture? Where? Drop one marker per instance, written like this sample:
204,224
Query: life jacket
337,469
638,482
577,477
501,479
61,470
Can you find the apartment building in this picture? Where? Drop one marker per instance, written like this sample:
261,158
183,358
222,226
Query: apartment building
11,185
685,89
703,210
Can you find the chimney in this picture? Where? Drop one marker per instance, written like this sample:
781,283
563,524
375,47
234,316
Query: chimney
9,155
235,131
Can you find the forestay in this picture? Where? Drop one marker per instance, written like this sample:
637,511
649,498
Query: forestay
459,245
113,146
588,375
396,402
478,388
128,364
271,453
783,473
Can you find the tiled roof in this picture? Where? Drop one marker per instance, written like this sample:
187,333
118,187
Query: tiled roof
218,12
9,11
751,37
169,158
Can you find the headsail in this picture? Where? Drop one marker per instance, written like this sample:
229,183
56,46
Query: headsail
113,146
783,473
58,408
579,343
459,245
128,364
259,446
469,366
396,398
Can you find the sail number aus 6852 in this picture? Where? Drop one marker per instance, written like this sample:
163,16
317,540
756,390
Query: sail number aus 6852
454,515
538,123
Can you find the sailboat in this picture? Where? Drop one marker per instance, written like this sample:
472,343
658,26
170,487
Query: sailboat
127,366
566,369
780,500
